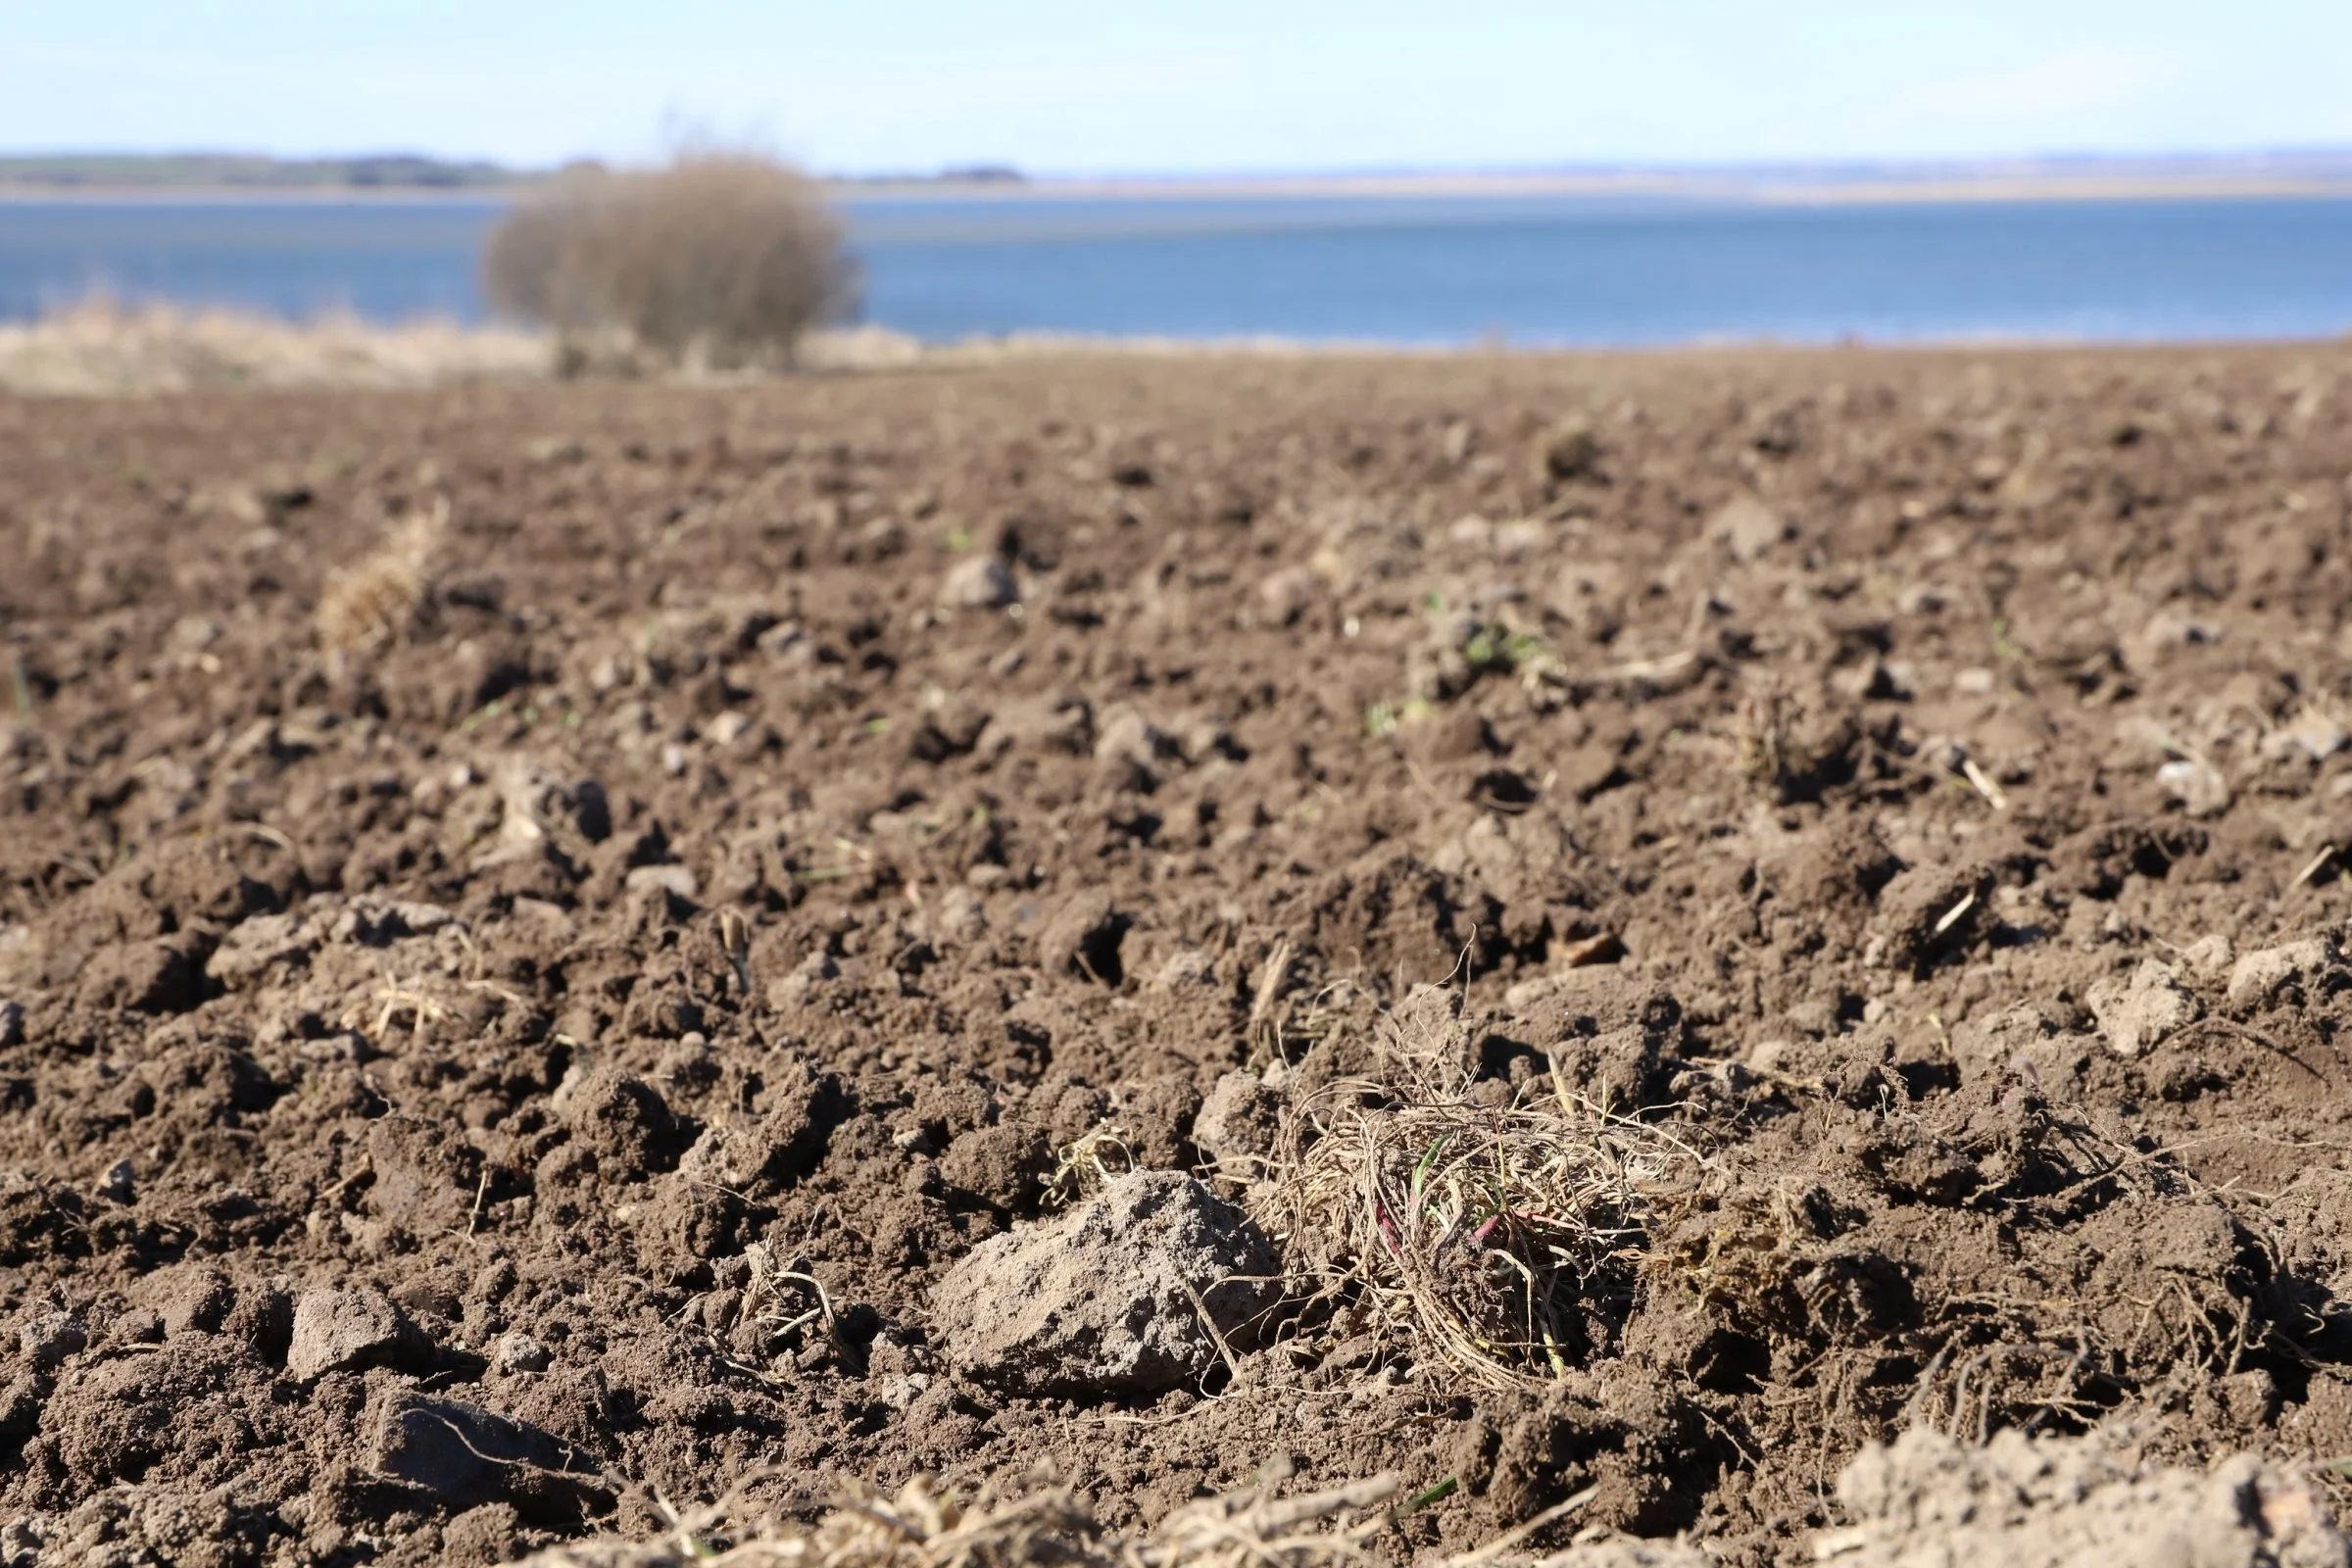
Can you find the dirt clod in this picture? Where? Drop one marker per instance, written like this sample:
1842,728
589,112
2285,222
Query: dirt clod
346,1331
1748,528
1142,1288
2261,975
1239,1124
464,1456
981,582
1083,937
2139,1012
1925,1501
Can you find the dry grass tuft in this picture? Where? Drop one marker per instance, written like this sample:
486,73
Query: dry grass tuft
386,595
103,347
1506,1237
923,1528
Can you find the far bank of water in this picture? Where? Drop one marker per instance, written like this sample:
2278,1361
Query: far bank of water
1529,271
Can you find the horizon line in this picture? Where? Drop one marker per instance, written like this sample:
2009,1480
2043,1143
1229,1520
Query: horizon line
1009,171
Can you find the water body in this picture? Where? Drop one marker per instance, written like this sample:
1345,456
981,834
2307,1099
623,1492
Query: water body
1527,270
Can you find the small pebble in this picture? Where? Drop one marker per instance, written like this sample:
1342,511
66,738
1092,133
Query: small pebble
119,1183
518,1352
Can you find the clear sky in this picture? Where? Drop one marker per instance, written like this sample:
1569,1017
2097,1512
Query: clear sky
1142,86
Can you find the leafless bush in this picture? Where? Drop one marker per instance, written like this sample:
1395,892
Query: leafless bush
725,259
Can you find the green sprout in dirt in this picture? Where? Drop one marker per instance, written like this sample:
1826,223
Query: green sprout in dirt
1384,718
1499,648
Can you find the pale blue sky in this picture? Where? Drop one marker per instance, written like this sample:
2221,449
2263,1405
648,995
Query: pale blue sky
1199,87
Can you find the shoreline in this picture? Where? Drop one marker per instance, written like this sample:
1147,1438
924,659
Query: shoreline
134,349
1727,190
1959,188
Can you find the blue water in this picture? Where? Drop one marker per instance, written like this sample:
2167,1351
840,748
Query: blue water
1529,271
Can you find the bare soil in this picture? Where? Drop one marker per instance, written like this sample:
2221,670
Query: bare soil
525,1042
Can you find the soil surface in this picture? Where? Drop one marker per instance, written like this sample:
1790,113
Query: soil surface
537,924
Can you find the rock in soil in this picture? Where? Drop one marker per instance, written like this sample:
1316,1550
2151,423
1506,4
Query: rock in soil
982,582
2258,976
1130,1291
2139,1012
1927,1502
1238,1123
347,1331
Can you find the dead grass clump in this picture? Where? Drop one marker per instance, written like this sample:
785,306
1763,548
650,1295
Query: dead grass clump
923,1528
101,347
1506,1236
722,258
387,595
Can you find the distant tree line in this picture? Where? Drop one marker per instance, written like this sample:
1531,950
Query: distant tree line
243,172
66,172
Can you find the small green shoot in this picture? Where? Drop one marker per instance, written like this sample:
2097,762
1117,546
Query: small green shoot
1429,1496
1500,647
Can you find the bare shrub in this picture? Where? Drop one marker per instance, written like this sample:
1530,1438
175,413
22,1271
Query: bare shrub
724,259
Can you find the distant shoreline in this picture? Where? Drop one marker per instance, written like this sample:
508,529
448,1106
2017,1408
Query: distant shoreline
1925,190
29,195
2327,177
